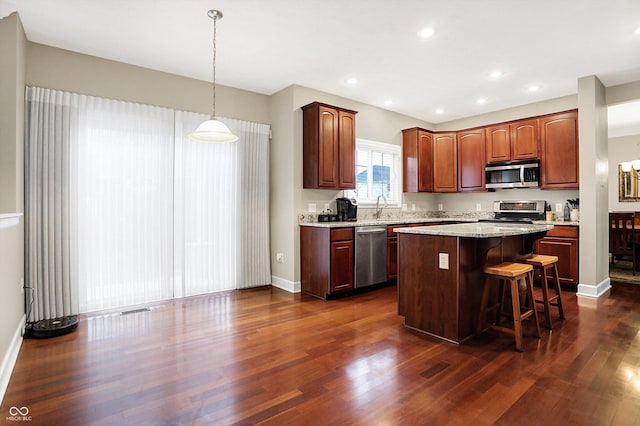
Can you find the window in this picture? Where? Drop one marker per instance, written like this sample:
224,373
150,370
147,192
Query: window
377,173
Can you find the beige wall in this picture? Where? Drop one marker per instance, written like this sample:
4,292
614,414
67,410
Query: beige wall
12,77
74,72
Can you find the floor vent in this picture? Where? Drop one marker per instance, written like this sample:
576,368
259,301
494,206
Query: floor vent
134,311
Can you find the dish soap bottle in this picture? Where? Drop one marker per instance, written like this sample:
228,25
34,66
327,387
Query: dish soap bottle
567,212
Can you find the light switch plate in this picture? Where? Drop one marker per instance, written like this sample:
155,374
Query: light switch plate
413,207
312,207
440,207
558,207
443,260
404,207
478,207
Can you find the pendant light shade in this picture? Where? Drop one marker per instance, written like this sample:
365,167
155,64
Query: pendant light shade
213,130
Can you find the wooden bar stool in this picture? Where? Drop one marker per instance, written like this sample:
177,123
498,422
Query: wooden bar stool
514,274
541,264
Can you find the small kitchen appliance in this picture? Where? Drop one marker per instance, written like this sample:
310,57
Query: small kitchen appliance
347,209
512,174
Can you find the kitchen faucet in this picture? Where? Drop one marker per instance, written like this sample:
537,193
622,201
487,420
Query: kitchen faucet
378,208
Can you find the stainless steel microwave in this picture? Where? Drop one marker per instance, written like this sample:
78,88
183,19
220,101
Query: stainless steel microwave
513,174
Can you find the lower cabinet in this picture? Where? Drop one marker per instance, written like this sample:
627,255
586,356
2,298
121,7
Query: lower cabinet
326,260
562,241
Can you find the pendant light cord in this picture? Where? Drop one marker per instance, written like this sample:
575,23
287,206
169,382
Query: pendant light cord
213,106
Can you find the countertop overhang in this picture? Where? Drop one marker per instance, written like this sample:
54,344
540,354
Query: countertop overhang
384,222
477,230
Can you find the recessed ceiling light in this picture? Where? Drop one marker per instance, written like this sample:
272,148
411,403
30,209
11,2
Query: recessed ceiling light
439,111
533,88
388,102
426,32
481,101
496,74
352,81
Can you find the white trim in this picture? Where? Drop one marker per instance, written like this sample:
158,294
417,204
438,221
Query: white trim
596,291
9,219
290,286
10,357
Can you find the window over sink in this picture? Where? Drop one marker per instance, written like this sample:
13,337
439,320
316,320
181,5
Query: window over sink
378,172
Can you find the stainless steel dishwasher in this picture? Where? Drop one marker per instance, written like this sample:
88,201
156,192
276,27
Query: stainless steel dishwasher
371,255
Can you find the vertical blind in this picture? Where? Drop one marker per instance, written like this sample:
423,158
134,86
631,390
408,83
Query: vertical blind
123,209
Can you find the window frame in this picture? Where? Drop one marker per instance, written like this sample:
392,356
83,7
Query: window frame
385,148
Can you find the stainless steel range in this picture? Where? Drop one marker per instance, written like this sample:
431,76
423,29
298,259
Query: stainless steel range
517,211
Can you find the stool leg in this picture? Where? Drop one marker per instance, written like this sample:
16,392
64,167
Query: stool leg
501,294
545,298
556,284
529,279
517,321
483,305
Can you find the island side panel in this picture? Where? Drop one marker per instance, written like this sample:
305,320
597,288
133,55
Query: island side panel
427,294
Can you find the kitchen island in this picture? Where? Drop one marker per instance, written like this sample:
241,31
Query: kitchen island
440,272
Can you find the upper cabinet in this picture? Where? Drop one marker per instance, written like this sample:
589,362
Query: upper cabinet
559,145
329,144
417,160
471,156
445,164
515,141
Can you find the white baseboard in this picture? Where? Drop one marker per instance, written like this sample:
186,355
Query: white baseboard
290,286
595,291
10,357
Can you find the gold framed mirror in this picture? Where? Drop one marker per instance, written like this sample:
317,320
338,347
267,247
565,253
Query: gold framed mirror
628,185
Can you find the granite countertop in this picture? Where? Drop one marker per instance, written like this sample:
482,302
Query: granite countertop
477,230
384,222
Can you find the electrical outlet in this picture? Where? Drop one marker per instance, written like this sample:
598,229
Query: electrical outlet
280,257
440,207
312,207
413,207
326,206
478,207
404,207
443,260
558,207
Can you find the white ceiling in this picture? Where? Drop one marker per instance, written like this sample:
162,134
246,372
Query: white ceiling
265,46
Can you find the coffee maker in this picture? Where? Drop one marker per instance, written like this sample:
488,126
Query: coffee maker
347,209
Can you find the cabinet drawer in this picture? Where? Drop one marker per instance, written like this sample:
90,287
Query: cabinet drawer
564,231
341,234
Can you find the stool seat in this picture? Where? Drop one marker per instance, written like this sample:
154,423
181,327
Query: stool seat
508,269
541,260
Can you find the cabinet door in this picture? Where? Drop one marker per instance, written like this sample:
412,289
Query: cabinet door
524,140
341,266
498,143
347,150
559,149
328,148
445,165
567,251
471,147
392,258
425,161
410,160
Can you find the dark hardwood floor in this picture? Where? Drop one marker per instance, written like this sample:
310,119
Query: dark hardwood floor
264,356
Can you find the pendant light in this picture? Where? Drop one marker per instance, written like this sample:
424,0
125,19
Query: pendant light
213,130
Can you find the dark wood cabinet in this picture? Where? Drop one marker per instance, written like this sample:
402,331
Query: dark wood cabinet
445,163
326,260
559,167
417,160
471,156
514,141
392,258
329,145
562,241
